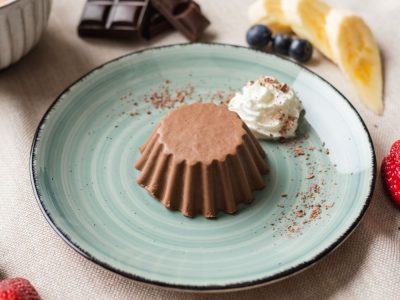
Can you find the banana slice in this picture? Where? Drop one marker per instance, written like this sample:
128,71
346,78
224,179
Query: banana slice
307,19
269,13
355,51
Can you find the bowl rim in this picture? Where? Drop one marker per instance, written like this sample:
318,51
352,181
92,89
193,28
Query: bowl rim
8,3
204,288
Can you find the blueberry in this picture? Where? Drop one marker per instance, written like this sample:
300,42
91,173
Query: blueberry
258,36
281,43
301,50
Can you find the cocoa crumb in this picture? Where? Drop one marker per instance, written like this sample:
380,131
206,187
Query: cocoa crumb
300,213
294,228
284,87
180,96
298,151
284,195
315,212
310,176
316,188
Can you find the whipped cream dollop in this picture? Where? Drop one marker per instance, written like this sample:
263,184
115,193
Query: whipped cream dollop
269,108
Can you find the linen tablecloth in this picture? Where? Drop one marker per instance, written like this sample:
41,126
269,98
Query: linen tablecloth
366,266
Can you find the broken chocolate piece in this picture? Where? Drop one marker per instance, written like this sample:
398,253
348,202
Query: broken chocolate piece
184,15
156,23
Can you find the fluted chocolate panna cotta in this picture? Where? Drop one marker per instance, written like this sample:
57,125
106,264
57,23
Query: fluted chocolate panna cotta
202,159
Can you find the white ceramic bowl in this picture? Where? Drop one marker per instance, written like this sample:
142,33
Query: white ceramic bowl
22,22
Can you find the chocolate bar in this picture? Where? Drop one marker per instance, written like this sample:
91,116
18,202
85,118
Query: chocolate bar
184,15
114,18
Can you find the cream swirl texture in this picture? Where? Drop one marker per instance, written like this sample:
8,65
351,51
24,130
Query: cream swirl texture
271,109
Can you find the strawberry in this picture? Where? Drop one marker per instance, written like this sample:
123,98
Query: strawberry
17,289
395,150
391,172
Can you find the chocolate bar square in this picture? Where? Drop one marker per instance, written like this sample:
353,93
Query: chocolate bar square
113,18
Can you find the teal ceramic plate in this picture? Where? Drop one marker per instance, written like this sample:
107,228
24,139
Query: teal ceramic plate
85,147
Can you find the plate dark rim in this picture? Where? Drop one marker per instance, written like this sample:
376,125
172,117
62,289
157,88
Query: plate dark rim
205,288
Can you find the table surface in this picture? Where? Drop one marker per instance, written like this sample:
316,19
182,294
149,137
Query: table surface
365,266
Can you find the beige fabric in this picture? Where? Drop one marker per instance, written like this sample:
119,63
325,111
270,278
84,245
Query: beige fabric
366,266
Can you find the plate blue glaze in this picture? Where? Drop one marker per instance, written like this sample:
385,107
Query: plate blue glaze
85,147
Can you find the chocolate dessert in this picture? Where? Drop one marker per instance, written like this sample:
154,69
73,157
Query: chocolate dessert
202,159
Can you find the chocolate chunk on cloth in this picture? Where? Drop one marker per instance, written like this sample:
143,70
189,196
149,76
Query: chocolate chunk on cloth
155,23
184,15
